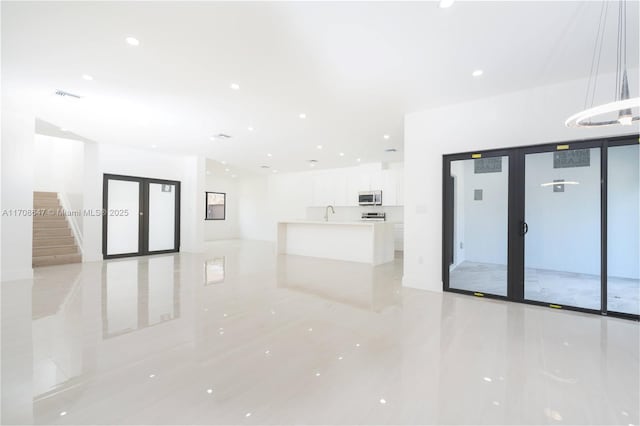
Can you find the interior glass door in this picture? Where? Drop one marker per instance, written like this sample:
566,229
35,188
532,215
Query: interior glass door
162,216
562,235
623,229
479,194
123,222
143,216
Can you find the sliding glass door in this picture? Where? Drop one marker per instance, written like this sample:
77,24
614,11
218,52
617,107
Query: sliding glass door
478,255
623,229
553,225
142,216
562,223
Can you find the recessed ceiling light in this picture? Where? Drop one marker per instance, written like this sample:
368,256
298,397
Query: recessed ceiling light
386,136
446,3
87,77
319,146
154,146
358,160
234,86
209,391
223,162
477,73
212,138
302,115
383,401
269,155
275,171
132,41
227,170
341,154
312,164
234,176
250,129
63,413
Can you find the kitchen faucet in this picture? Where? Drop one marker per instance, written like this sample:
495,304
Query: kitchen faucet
326,212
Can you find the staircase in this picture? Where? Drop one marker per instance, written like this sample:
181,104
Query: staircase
53,242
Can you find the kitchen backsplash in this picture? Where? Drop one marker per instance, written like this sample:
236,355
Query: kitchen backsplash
348,214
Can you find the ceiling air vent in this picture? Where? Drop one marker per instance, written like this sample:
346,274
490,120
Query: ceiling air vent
264,167
222,136
67,94
390,150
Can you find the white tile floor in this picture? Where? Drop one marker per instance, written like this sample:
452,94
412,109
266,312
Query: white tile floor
564,288
293,340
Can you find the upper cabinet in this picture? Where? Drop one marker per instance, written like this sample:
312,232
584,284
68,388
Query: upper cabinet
340,187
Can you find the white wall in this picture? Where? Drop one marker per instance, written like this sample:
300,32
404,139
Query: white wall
255,206
485,221
218,181
58,164
59,167
115,159
527,117
18,127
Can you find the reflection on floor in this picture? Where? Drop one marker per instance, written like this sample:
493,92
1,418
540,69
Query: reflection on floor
563,288
240,335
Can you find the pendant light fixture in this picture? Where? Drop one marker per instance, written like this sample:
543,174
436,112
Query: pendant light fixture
603,115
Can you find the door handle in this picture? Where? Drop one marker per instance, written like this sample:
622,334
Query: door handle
524,229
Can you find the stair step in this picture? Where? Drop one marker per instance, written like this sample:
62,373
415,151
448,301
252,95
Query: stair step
49,225
60,259
44,194
51,232
54,250
49,218
39,242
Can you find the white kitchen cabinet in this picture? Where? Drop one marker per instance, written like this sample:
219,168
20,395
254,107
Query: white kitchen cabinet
340,187
323,191
356,181
389,188
398,236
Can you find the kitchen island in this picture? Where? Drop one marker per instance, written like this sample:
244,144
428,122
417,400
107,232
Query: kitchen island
367,242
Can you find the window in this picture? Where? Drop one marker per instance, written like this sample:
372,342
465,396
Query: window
216,206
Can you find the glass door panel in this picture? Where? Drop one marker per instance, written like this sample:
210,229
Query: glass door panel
562,226
123,216
161,216
623,229
478,261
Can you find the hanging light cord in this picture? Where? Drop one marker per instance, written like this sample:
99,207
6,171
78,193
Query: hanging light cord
621,54
597,53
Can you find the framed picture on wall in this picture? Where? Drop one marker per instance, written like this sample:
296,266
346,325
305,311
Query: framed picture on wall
215,206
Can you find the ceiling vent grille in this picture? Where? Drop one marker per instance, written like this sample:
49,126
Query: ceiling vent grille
67,94
222,136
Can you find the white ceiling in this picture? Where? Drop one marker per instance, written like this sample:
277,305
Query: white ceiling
354,68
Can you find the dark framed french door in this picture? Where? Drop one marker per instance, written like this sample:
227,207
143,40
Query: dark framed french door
141,216
535,224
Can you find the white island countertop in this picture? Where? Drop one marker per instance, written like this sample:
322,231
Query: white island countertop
335,222
354,241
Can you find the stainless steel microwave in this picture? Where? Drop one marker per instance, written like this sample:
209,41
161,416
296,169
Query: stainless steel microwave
370,198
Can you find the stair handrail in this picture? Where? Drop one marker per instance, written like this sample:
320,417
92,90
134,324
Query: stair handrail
72,219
